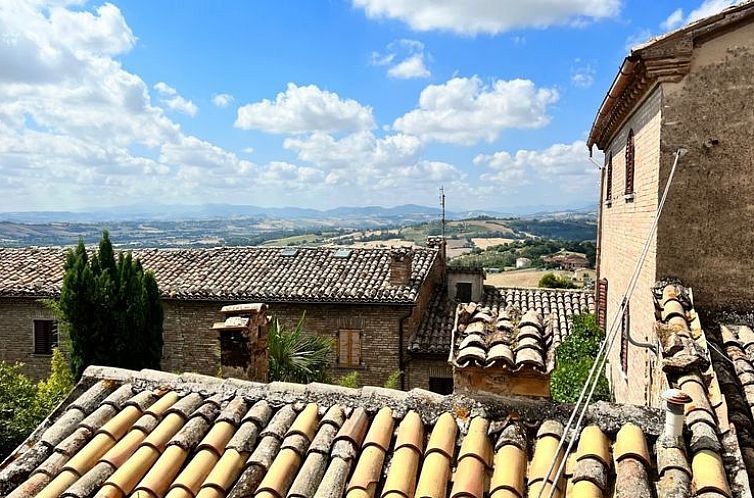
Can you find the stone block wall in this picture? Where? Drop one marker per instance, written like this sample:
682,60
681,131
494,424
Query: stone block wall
625,225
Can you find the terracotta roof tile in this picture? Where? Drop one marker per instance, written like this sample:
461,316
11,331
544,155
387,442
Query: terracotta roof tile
312,274
270,453
556,305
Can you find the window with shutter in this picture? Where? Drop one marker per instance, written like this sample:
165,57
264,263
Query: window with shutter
630,161
602,303
625,330
349,348
45,336
609,177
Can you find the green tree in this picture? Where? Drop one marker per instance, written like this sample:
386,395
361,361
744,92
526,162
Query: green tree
574,358
296,357
111,309
17,394
552,281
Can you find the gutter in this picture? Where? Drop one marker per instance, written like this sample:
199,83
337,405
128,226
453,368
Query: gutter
622,80
400,348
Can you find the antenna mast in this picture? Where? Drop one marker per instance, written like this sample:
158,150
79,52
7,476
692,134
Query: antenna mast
442,204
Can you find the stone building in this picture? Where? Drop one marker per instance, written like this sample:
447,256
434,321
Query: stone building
690,89
369,301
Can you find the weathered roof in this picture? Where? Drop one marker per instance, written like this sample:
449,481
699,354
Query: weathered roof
664,58
265,274
153,434
435,331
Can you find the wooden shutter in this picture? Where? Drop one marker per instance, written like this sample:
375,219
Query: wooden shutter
602,303
349,347
625,330
609,177
45,336
630,160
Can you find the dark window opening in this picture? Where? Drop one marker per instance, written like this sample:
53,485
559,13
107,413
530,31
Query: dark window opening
234,349
441,385
609,177
463,292
630,159
45,336
625,330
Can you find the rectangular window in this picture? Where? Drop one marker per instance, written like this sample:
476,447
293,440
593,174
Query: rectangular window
609,178
630,158
349,348
602,303
441,385
625,330
45,336
463,292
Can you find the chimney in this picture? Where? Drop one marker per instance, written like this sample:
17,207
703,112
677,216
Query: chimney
675,399
243,341
400,266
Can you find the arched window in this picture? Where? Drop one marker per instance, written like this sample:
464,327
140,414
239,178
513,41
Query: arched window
609,177
630,158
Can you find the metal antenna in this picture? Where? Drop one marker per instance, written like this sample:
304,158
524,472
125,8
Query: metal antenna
442,204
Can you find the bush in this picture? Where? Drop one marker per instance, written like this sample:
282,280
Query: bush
296,357
574,358
23,405
552,281
349,380
393,380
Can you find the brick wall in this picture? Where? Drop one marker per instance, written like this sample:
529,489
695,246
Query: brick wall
17,335
625,224
419,370
705,236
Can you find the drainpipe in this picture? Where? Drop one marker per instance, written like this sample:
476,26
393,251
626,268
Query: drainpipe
675,399
400,348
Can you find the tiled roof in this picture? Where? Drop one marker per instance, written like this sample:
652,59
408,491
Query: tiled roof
265,274
152,435
435,330
488,337
713,440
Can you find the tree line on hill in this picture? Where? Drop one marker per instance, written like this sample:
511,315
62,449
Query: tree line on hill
505,255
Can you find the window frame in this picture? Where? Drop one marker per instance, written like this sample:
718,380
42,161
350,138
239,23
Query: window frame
602,293
347,361
629,184
624,342
609,177
53,338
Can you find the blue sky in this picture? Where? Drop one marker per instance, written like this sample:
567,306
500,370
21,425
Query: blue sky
310,103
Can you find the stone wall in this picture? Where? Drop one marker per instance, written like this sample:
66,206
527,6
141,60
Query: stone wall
420,369
705,236
625,223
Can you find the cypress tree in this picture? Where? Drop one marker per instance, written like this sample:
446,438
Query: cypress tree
112,308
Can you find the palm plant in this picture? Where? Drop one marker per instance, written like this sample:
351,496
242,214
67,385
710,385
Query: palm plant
296,357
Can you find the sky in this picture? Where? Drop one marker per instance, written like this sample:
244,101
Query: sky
311,103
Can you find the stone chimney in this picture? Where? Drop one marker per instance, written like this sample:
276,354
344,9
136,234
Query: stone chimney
243,341
400,266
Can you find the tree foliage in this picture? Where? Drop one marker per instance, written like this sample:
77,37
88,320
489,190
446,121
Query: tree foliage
111,308
23,405
574,358
505,255
296,357
552,281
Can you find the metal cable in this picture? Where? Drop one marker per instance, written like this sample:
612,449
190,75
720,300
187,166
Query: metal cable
607,344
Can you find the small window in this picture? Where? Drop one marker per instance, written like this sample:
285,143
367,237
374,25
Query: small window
349,348
342,253
45,336
602,303
609,177
463,292
625,330
441,385
630,159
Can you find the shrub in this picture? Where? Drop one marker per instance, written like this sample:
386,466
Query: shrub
55,388
393,380
552,281
349,380
574,358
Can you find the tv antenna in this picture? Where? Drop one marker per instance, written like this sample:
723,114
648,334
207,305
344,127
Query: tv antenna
442,205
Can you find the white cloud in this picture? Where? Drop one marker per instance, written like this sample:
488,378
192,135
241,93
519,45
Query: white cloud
465,111
563,164
706,9
582,74
638,38
405,58
471,17
169,97
305,109
674,20
222,99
